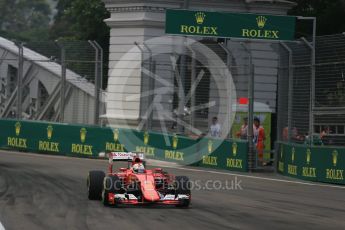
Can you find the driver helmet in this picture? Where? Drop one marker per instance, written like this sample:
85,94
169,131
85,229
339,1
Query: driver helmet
138,168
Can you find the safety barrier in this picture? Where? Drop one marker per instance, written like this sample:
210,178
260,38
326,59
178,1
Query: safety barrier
313,163
89,141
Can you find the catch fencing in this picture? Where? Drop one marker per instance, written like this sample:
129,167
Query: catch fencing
311,98
56,81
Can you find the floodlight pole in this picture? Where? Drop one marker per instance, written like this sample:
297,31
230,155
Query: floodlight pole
313,74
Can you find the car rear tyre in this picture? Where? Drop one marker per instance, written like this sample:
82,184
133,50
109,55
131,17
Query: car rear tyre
95,184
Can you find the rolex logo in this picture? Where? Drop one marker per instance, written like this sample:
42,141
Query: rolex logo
175,141
83,135
308,156
200,17
293,155
146,138
210,146
17,126
49,132
116,134
234,149
335,158
261,21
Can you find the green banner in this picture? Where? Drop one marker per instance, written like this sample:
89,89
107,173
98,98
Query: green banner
316,163
236,25
89,141
220,154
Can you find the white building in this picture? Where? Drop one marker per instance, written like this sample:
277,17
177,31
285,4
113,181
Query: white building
141,20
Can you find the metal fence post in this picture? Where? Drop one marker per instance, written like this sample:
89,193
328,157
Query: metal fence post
313,74
97,85
250,135
20,79
151,87
181,94
290,94
63,81
229,91
192,96
100,64
312,89
148,117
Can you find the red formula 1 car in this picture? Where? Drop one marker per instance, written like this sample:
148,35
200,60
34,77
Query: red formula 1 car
137,185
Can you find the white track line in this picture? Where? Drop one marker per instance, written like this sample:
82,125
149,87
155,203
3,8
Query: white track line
175,166
255,177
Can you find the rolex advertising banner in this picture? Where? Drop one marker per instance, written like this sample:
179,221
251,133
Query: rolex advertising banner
235,25
173,148
52,138
89,141
322,164
229,155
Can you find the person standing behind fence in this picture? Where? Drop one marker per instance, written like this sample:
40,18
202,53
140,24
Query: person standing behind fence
242,134
259,139
215,129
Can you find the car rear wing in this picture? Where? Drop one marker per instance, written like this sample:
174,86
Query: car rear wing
125,156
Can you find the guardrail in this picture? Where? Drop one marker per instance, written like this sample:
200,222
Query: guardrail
89,141
312,163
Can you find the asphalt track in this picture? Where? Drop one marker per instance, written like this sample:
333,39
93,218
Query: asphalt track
49,192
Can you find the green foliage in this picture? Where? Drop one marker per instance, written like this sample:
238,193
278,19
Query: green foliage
81,20
330,15
24,19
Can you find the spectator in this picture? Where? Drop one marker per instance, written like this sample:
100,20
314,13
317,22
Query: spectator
259,139
286,134
324,135
242,134
295,136
215,129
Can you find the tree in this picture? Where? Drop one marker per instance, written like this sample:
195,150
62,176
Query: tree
80,19
330,15
24,19
83,20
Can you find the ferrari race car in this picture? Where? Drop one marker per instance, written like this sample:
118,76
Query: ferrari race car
137,185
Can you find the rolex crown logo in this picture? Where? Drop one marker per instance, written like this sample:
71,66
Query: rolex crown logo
146,138
234,149
261,21
200,17
175,141
17,126
210,146
293,155
335,158
49,132
116,134
308,156
83,135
